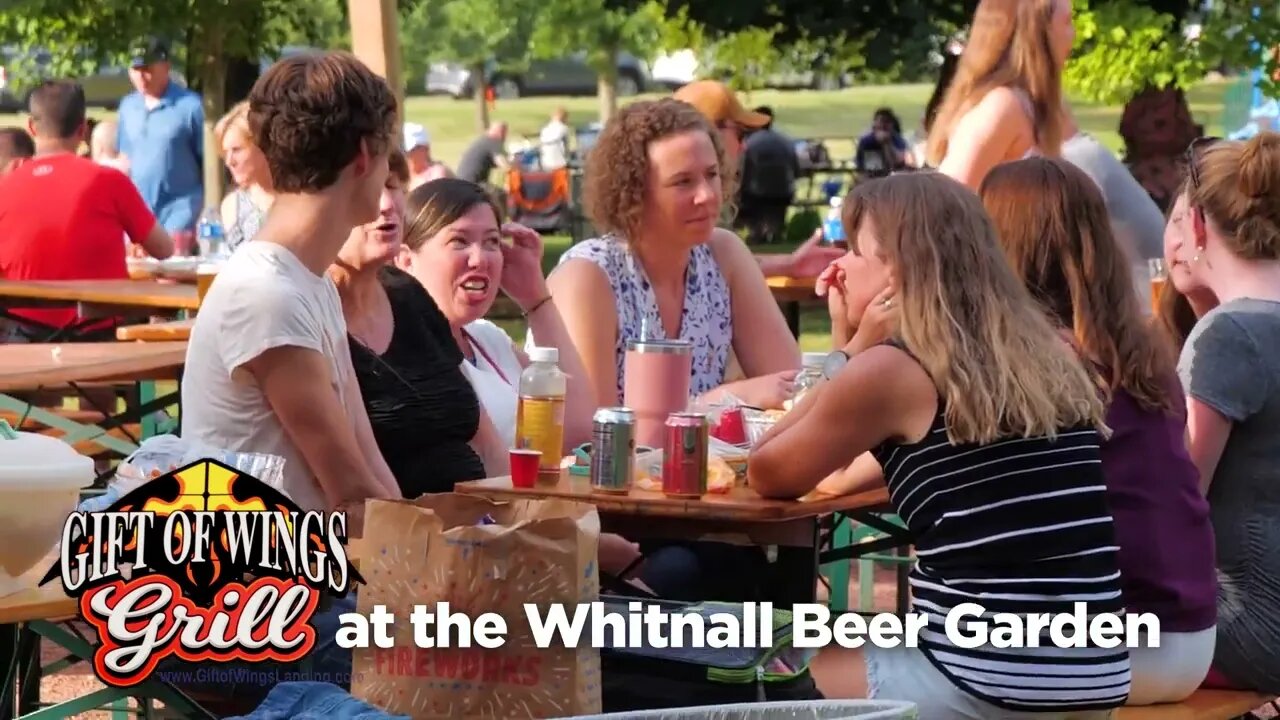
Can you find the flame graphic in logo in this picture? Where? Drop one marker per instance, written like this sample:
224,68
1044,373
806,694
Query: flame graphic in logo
196,598
204,486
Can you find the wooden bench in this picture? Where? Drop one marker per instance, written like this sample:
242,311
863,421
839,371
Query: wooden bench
1202,705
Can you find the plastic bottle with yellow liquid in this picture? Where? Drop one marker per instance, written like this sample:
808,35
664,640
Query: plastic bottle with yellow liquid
540,413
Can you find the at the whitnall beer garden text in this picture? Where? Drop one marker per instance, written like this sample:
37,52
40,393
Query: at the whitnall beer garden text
812,626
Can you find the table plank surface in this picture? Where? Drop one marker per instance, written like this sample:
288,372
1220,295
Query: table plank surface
173,330
28,366
792,289
739,504
123,293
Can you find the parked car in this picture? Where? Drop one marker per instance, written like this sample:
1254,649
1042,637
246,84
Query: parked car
675,69
20,71
565,76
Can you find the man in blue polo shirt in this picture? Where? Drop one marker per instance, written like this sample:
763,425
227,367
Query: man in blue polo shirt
161,131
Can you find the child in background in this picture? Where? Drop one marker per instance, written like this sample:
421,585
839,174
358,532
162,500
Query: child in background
102,146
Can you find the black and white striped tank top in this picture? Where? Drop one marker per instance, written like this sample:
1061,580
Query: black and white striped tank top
1016,526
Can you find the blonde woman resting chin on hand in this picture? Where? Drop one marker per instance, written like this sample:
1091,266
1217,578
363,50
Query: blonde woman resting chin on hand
958,394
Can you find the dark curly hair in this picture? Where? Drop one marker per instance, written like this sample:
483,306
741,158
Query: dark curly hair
308,114
618,166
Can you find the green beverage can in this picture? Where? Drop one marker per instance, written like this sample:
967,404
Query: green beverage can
613,450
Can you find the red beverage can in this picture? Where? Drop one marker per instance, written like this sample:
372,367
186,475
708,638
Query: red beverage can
685,455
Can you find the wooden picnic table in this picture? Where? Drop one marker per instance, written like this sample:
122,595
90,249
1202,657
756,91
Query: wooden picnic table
99,293
738,517
30,366
33,367
788,291
43,614
173,330
791,293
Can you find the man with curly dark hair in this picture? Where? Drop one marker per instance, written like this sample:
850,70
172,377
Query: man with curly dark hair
268,367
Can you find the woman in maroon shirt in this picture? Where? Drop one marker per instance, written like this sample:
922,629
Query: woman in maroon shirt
1052,222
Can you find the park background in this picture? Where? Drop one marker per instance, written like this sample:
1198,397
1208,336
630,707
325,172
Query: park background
838,60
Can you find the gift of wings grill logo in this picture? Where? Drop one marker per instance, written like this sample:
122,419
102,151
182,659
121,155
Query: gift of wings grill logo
205,563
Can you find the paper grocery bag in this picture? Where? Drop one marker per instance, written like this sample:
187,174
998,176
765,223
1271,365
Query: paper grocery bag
479,556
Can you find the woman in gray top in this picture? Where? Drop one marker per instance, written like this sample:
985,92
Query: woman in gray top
1136,220
1224,237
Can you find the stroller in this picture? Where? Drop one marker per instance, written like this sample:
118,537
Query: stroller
539,199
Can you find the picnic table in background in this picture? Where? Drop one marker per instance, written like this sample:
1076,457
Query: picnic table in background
46,612
95,299
32,367
740,516
791,293
172,330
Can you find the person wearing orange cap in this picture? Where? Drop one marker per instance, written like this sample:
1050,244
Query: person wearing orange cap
720,106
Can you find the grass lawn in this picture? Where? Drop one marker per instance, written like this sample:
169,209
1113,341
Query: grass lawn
841,114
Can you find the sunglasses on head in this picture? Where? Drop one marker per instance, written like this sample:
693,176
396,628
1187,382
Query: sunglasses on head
1193,158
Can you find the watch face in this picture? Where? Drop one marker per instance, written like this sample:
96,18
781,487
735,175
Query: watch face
833,363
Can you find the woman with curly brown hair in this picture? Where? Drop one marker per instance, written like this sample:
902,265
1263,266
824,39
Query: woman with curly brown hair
655,184
1052,223
1224,238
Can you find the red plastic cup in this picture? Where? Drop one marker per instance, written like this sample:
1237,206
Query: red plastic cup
732,427
524,467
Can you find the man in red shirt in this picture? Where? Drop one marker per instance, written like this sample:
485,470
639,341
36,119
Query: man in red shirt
64,217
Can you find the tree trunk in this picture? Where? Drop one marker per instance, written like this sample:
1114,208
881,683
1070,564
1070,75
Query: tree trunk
213,88
607,87
481,96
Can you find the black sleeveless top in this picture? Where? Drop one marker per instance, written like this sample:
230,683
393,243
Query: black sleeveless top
420,405
1020,526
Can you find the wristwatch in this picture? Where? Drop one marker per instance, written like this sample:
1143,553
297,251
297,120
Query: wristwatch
835,360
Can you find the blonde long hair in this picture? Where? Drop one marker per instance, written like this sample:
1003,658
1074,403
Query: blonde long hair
1000,366
1009,46
236,118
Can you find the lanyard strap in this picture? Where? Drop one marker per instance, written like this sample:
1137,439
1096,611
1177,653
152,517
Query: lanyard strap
485,354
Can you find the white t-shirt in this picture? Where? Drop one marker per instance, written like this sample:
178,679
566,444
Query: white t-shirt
555,145
263,298
498,385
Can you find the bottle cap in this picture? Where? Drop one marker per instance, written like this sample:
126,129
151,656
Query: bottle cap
544,354
814,360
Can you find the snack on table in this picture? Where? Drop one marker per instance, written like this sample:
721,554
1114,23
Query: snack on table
721,478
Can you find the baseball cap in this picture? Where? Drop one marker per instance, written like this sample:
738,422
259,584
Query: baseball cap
718,103
415,135
147,51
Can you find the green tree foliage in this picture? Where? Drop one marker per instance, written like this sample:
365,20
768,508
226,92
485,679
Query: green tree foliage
897,36
472,33
599,30
81,34
744,59
1125,46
